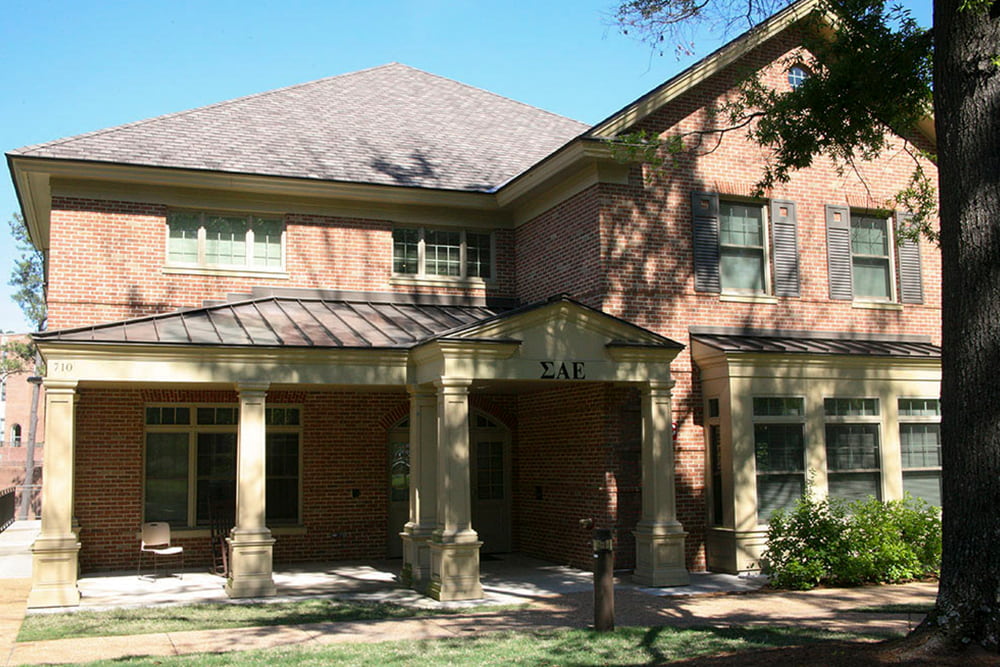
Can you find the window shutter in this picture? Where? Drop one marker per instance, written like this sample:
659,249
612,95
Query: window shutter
705,220
838,252
784,231
911,288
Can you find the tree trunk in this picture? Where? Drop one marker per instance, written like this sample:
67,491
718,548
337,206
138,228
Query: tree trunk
967,112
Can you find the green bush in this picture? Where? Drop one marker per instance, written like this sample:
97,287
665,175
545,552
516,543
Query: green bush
823,541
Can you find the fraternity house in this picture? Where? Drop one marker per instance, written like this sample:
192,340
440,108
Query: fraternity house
386,314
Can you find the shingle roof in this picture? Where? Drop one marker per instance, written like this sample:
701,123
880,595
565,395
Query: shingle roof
789,342
389,125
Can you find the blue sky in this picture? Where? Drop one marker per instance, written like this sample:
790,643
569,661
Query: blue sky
73,66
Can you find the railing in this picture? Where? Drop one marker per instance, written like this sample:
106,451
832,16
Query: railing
6,508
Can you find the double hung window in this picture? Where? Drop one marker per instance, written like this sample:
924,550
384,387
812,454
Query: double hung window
853,453
745,247
779,452
864,261
920,447
442,253
224,241
190,463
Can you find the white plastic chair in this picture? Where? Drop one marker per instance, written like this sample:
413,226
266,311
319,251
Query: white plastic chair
155,540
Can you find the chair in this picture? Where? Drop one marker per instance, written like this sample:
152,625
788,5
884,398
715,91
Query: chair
220,521
155,540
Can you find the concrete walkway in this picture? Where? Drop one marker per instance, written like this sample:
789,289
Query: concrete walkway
553,596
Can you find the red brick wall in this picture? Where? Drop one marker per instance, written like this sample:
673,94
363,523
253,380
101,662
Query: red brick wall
343,449
107,262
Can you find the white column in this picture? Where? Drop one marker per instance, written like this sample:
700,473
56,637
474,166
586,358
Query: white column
56,550
659,537
455,545
251,543
423,488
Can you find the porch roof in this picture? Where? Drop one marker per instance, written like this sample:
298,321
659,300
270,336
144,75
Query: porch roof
301,318
731,340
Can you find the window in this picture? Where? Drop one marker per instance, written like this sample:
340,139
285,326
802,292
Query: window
447,253
779,452
871,266
191,463
797,75
715,460
853,457
224,241
863,258
743,247
15,435
920,447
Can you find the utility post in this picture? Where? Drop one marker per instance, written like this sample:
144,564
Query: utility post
604,580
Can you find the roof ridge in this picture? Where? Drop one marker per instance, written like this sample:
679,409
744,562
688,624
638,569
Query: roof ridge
214,105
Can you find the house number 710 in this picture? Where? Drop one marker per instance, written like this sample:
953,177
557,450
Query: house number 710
62,366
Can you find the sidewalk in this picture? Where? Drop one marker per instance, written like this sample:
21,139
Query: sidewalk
15,580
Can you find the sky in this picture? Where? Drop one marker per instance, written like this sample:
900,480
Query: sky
74,66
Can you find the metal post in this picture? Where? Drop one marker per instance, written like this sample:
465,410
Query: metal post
29,456
604,580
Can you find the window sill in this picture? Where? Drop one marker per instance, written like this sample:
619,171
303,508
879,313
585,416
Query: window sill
877,305
439,281
235,273
748,298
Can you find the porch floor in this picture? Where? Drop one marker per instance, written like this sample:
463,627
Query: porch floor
506,579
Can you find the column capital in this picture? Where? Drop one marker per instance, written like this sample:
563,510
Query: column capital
421,391
657,388
251,388
453,385
58,386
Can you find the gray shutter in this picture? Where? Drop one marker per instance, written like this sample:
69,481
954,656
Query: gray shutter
911,288
784,231
705,221
838,252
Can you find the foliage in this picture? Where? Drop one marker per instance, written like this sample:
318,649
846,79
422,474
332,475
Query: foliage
15,357
28,275
829,541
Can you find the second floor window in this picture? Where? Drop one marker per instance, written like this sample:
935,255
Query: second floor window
225,241
444,253
870,260
742,250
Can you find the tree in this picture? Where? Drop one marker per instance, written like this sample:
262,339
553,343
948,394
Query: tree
876,47
28,277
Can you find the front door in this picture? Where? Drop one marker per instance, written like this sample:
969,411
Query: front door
491,492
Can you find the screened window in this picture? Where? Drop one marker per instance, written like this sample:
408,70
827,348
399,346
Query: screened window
449,253
853,455
779,450
870,259
200,239
741,247
191,454
920,448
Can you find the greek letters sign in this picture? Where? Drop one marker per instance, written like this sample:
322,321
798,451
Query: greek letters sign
563,370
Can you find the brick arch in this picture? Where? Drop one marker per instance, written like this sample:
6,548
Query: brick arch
394,416
495,410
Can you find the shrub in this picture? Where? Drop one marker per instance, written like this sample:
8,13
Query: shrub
829,541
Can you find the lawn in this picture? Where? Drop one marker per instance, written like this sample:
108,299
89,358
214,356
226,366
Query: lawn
625,646
209,617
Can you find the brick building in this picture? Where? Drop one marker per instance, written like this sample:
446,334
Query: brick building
435,323
15,425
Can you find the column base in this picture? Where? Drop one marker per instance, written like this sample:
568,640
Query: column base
416,573
55,565
250,564
659,557
455,571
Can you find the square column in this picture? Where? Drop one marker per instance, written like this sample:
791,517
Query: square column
56,550
251,544
659,537
454,544
417,533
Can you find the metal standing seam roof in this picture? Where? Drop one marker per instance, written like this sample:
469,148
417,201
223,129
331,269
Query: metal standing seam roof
389,125
286,322
823,345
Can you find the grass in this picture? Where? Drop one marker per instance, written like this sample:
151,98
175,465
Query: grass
625,646
210,617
